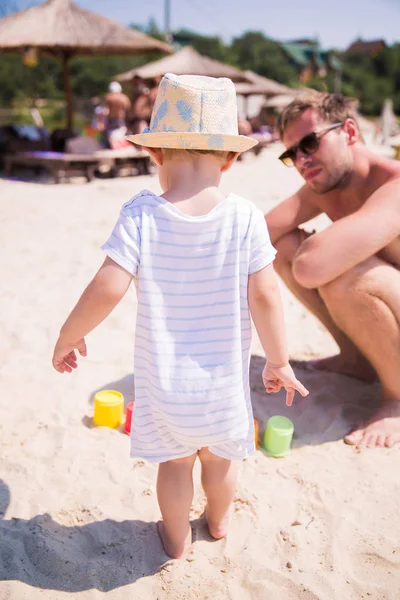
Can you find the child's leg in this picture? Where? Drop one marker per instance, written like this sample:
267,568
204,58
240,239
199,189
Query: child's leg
218,478
175,495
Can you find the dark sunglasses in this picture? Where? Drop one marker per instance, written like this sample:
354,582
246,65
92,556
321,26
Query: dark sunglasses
307,145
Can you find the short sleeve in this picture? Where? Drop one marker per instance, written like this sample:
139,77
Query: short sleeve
123,245
262,252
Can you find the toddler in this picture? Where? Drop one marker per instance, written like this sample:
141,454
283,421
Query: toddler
202,264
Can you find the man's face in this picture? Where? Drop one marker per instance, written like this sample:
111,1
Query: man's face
330,166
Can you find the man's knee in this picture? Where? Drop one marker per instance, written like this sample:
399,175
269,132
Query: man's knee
358,281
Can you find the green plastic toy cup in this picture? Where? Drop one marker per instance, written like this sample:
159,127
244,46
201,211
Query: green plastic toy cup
278,436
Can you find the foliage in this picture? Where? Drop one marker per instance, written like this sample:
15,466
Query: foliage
372,79
208,46
256,52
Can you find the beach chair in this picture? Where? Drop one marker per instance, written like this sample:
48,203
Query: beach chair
64,165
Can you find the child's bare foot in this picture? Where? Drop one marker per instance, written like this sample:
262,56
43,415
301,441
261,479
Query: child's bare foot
172,548
219,530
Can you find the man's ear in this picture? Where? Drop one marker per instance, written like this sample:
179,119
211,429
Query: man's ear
350,127
156,154
229,161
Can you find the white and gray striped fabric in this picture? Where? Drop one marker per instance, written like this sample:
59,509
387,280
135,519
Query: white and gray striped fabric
193,329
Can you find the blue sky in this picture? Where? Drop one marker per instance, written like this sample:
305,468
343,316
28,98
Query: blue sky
336,23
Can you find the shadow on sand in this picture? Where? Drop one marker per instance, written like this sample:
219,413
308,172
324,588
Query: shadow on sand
73,558
336,403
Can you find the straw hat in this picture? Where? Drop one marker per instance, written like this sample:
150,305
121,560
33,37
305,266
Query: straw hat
194,113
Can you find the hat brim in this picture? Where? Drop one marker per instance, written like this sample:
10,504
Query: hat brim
194,141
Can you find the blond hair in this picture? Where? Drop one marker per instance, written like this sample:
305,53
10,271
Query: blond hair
331,107
171,153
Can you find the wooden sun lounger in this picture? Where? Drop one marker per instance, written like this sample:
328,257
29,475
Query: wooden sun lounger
60,164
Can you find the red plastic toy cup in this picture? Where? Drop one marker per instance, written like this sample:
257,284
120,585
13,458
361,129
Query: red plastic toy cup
128,417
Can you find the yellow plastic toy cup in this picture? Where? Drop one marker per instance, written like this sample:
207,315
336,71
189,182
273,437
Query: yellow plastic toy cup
278,436
108,408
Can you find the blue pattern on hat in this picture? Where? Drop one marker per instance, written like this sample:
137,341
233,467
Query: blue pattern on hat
223,97
216,142
160,114
184,110
168,129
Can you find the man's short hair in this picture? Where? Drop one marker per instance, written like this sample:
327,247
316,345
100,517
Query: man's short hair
331,107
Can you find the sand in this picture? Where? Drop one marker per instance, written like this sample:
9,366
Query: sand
78,515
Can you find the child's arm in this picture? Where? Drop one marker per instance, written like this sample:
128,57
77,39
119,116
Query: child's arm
267,313
100,297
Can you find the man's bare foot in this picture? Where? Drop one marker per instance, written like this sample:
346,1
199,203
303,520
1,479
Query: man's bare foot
382,429
172,548
357,367
219,530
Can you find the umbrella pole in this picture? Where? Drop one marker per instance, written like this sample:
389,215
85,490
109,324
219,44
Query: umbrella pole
246,106
67,90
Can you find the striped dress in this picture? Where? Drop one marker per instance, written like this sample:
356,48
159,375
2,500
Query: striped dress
193,328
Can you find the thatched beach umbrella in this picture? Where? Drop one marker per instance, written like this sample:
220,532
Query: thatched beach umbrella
184,62
261,85
63,29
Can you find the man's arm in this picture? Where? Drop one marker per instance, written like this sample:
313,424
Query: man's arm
291,213
350,240
127,102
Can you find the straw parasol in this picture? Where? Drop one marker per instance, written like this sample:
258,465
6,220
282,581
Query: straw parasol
63,29
261,85
186,61
279,101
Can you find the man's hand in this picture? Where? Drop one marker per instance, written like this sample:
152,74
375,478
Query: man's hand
276,377
64,356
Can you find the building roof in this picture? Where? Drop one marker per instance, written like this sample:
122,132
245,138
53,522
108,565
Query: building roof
371,48
302,54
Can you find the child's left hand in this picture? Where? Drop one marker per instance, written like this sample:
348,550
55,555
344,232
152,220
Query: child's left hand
276,377
64,356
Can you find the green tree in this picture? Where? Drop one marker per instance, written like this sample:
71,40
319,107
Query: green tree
258,53
212,46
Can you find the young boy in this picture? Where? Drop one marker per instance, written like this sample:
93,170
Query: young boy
201,263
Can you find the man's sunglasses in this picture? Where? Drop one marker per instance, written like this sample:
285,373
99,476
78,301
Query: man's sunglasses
307,145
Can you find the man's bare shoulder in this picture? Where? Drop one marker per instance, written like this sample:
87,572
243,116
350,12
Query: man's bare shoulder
393,170
387,177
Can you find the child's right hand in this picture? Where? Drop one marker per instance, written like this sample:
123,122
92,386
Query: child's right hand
64,356
275,378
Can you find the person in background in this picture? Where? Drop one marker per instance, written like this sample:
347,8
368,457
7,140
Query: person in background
116,107
142,104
